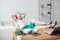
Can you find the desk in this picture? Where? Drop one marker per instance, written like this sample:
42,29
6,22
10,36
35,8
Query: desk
43,36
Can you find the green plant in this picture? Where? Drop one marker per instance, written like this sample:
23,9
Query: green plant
19,32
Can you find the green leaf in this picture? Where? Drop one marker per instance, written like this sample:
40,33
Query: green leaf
19,32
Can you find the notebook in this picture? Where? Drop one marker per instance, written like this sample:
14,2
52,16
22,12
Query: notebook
53,31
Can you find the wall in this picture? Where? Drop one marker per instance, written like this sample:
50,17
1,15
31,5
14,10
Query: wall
9,7
55,10
45,17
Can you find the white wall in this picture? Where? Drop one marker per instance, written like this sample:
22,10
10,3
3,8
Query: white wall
55,10
9,7
45,17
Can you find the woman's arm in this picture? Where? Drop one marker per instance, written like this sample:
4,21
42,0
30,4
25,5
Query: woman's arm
23,15
14,18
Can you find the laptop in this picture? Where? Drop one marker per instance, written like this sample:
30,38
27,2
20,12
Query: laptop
53,31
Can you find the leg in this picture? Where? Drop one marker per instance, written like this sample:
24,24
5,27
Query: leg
37,22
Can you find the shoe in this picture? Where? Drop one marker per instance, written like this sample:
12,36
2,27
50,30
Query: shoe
54,24
50,22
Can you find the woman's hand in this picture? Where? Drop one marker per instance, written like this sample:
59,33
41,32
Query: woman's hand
14,18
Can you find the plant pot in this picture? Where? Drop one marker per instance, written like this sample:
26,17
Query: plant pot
19,37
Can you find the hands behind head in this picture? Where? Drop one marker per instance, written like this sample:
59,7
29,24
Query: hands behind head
20,15
23,15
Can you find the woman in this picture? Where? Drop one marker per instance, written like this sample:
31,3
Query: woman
18,18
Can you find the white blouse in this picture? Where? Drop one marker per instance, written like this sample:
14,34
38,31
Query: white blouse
21,23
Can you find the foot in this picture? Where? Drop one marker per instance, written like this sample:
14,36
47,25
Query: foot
52,26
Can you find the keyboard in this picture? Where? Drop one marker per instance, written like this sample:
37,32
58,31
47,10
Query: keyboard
49,31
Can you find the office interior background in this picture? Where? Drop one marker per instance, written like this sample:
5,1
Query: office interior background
32,8
43,10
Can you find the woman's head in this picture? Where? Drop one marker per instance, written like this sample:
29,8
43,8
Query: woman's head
20,16
23,15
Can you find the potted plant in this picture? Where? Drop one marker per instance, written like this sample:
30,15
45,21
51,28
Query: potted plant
19,33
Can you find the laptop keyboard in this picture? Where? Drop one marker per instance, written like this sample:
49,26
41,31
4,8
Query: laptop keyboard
49,31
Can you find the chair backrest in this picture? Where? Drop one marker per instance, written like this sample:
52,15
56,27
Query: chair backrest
6,33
